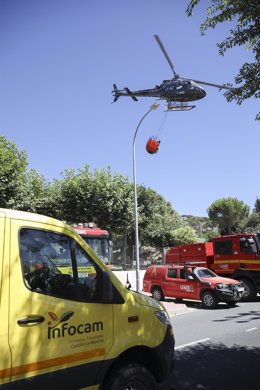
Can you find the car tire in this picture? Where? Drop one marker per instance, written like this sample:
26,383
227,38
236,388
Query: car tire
250,291
209,300
131,376
157,294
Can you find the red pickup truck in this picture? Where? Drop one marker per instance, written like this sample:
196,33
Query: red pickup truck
192,282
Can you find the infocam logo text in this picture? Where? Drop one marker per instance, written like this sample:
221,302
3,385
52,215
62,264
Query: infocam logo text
63,328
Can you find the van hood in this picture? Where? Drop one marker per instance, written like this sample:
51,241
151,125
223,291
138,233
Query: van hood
219,279
145,300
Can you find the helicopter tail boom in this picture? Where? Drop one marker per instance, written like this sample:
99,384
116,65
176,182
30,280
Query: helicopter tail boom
129,93
117,93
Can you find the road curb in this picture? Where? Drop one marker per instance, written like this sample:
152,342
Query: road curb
175,309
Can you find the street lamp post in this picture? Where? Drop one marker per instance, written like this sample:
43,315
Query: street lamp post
153,107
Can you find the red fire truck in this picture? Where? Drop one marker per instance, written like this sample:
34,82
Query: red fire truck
97,239
235,256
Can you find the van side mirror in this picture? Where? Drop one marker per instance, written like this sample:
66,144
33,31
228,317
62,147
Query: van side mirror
106,290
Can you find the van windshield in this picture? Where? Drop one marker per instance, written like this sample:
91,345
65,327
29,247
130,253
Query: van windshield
204,273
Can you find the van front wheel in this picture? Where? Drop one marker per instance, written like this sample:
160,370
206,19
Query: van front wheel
130,377
157,294
209,300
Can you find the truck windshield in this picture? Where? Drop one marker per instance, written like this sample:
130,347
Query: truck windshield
257,238
204,273
100,246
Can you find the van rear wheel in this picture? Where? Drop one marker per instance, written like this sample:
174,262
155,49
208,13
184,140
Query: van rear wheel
157,294
130,377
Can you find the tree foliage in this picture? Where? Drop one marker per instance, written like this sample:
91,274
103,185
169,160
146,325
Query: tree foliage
107,199
253,223
12,170
158,221
201,225
100,197
229,215
184,235
257,206
246,15
34,194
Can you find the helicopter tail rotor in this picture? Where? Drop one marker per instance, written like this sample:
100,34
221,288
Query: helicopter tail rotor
116,93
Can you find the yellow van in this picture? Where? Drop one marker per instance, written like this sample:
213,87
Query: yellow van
66,321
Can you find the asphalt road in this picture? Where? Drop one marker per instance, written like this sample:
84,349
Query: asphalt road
217,349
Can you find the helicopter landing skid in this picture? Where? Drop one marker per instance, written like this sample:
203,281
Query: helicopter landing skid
178,107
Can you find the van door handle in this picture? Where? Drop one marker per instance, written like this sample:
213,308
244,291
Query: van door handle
30,320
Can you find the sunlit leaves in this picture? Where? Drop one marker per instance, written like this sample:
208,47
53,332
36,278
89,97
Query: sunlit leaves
246,15
12,169
229,214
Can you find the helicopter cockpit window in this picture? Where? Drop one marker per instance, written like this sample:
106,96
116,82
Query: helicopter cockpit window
54,264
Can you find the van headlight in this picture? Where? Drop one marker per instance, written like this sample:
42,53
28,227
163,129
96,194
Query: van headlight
221,286
163,317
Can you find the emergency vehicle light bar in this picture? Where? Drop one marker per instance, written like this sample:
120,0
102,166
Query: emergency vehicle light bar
189,263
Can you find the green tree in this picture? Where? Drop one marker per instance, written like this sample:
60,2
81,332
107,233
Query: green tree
107,199
113,201
12,170
246,16
229,215
156,217
209,235
201,225
101,197
257,206
71,196
253,222
184,235
158,224
34,194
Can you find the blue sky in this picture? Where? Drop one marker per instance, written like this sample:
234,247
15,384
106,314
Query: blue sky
59,60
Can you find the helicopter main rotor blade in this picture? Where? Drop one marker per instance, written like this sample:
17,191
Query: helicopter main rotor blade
212,85
165,53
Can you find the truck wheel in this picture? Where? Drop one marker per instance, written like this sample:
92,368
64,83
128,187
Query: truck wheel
157,294
130,377
209,300
250,293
